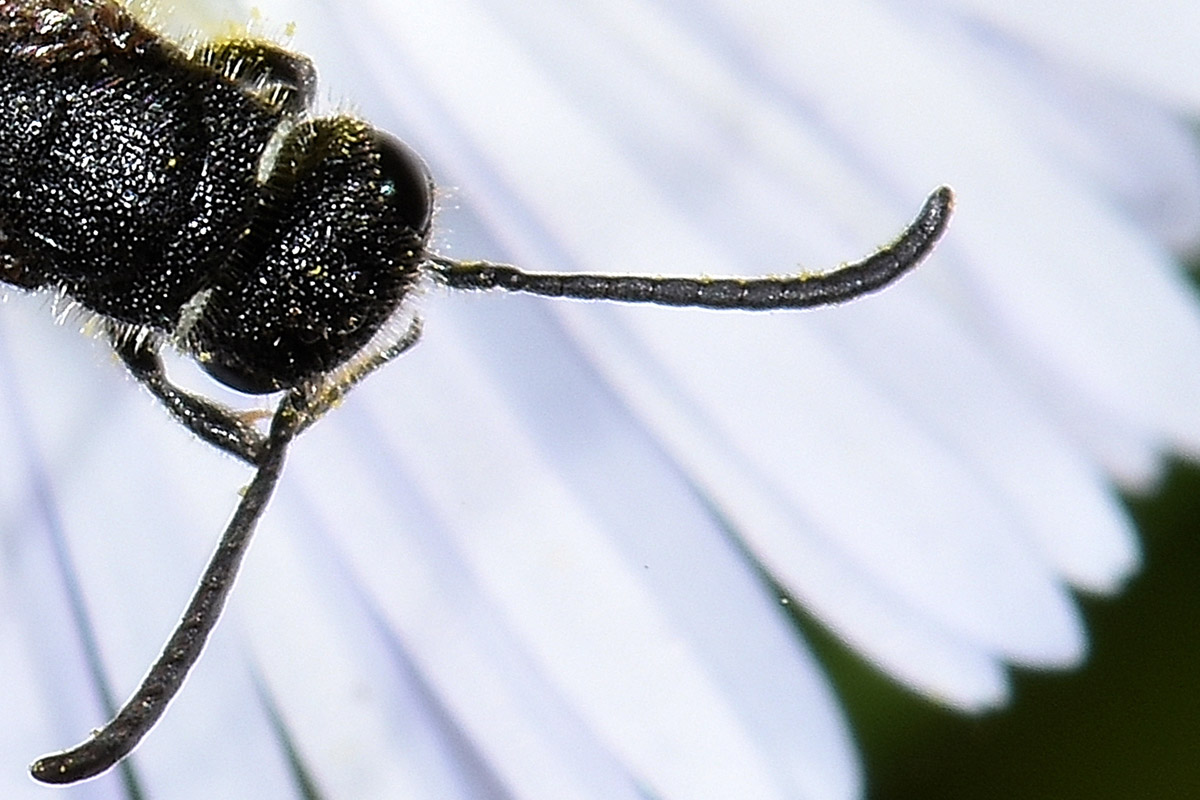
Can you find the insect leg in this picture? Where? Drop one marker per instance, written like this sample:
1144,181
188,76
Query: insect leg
117,739
770,292
331,391
212,422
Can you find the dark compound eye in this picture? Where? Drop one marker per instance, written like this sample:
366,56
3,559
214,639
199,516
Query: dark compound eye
407,181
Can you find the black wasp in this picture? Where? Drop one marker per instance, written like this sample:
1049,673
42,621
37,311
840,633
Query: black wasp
184,199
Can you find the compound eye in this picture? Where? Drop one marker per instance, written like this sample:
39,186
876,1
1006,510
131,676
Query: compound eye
406,181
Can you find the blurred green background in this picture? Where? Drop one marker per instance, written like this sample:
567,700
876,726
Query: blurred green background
1125,725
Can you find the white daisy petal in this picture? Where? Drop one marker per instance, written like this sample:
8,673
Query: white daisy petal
45,675
554,594
703,582
1111,138
355,698
951,385
24,676
1149,48
884,510
418,584
580,144
1070,324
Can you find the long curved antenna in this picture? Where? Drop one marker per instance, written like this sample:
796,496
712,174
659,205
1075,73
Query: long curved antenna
139,714
796,291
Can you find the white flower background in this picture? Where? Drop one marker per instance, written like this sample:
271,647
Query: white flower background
528,560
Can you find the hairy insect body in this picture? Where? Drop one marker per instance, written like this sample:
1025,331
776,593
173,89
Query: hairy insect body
130,181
